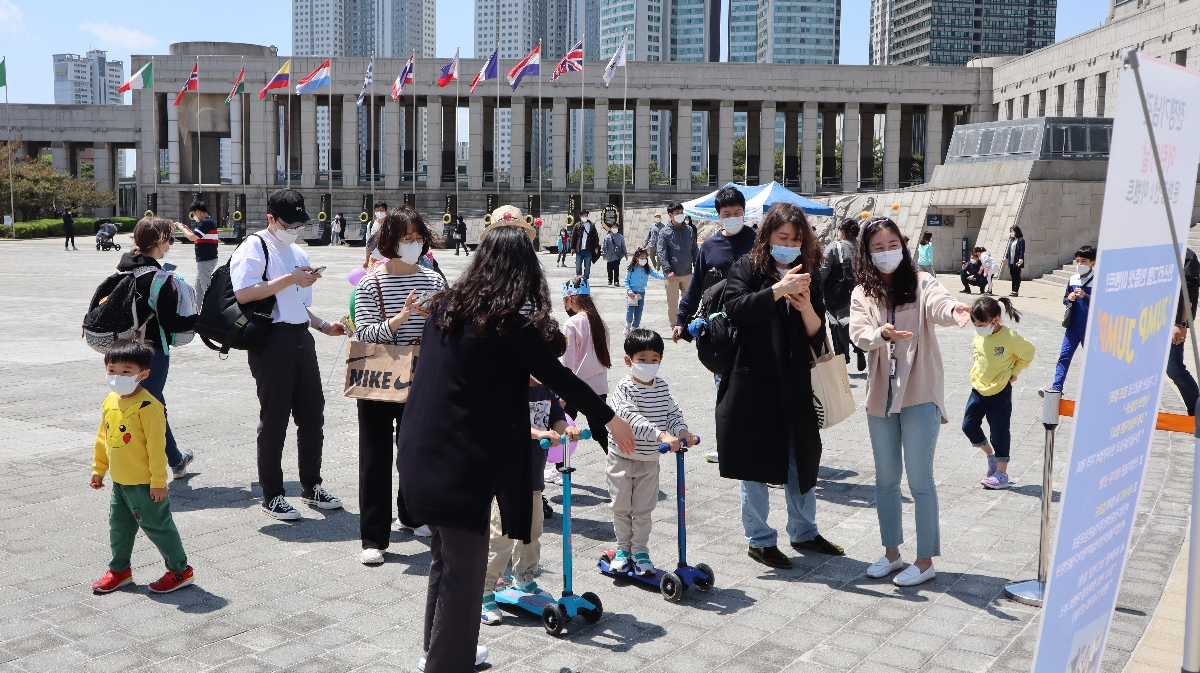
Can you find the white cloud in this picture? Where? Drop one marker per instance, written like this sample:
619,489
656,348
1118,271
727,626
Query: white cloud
11,21
116,36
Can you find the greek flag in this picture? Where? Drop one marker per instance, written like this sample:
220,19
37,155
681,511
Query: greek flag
366,82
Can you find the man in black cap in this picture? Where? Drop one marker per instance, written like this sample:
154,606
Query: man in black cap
203,233
270,264
585,243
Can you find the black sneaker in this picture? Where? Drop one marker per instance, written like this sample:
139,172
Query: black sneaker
281,509
770,556
819,544
547,510
320,498
862,360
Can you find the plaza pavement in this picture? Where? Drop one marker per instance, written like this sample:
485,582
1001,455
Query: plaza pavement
273,596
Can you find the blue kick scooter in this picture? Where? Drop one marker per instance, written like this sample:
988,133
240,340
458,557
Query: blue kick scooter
671,584
556,614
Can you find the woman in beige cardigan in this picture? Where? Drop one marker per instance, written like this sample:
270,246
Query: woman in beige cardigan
893,311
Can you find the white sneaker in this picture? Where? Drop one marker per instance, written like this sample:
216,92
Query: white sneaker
423,531
371,557
180,470
490,613
712,457
481,655
551,475
883,567
912,576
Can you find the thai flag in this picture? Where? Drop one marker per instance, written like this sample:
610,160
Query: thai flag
192,84
405,77
573,60
449,72
315,80
366,82
530,65
490,70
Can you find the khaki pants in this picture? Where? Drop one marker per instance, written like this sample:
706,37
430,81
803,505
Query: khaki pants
524,557
633,487
675,287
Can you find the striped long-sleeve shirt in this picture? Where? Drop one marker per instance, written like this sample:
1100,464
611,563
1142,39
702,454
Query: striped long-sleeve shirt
372,325
649,410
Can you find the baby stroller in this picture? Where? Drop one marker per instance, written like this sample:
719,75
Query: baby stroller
104,236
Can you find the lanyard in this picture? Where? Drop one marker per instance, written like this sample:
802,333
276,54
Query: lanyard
892,348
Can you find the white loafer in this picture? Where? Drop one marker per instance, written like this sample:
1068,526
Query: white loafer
883,567
912,576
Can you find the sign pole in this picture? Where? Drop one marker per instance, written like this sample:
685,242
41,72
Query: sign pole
1032,592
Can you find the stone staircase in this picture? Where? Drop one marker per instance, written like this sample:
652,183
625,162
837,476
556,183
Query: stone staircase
1059,277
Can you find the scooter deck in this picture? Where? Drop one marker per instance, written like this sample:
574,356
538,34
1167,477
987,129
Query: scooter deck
536,603
687,574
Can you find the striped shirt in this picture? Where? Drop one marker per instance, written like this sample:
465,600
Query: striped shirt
370,323
649,410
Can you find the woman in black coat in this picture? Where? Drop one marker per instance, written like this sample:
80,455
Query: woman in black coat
465,437
766,425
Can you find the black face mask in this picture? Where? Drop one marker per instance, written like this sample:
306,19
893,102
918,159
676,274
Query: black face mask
570,313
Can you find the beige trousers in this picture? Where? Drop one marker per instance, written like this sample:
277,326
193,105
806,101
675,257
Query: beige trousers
675,287
501,548
633,487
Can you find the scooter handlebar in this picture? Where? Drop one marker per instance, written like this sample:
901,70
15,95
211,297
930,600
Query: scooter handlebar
564,440
666,448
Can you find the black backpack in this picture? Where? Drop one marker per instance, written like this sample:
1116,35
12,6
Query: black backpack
112,312
839,284
226,322
717,341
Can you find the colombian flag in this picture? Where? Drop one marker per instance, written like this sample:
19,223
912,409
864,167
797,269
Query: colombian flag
281,80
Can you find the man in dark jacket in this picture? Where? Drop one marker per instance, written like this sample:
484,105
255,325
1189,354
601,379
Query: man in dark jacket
68,230
585,243
676,248
460,236
1176,368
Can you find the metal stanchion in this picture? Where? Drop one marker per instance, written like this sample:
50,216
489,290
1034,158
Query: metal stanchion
1032,592
1191,629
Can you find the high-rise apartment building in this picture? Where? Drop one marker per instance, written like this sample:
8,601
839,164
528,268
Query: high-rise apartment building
778,31
91,79
952,32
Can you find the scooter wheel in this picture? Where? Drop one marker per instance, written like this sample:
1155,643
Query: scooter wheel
589,614
552,620
671,587
704,584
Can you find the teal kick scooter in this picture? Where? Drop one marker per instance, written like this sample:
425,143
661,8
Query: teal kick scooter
556,614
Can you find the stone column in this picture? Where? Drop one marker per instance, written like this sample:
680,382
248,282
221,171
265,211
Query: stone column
891,147
517,146
147,156
270,158
808,149
683,146
766,143
433,145
791,146
600,145
349,141
308,141
102,167
850,135
725,144
391,144
561,124
933,139
475,149
235,140
641,143
172,143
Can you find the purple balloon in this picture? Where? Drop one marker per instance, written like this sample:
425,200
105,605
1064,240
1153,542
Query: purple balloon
355,276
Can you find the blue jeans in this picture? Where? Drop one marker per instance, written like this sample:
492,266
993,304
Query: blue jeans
155,383
1178,372
583,264
633,314
916,428
998,411
801,508
1072,338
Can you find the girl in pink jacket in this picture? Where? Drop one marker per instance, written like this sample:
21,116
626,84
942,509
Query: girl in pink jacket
587,345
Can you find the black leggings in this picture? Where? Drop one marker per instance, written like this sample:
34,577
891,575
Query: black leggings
69,238
614,272
600,434
1016,277
377,424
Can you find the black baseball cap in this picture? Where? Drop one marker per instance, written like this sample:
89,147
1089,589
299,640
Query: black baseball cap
287,205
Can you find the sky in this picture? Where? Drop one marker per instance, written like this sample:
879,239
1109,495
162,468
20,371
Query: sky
31,31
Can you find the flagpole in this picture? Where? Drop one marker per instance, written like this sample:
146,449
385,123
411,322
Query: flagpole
457,91
287,129
154,125
199,161
496,121
371,132
582,106
541,131
413,74
624,114
245,121
12,208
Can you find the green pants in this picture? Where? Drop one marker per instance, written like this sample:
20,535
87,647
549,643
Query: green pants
131,508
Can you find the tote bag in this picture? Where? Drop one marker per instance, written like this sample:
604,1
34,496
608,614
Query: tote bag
379,372
832,398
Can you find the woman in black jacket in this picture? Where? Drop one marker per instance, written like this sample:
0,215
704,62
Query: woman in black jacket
766,425
465,437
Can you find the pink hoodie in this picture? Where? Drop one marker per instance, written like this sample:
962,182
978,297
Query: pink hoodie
581,353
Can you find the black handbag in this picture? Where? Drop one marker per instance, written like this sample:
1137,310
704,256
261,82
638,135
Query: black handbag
1069,314
223,323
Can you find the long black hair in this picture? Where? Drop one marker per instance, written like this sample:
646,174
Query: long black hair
903,289
504,280
595,324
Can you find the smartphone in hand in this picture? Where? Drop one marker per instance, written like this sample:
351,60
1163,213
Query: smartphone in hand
319,269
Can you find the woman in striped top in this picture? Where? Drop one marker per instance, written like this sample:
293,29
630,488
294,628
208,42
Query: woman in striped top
403,237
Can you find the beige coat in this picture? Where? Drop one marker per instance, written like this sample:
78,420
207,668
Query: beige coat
919,372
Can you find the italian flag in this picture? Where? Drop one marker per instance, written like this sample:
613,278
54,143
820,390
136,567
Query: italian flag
238,87
142,79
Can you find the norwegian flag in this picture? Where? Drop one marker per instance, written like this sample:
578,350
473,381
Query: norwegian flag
192,84
405,77
572,61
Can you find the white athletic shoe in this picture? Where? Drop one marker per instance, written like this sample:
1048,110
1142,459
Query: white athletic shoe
371,557
912,576
883,567
481,655
180,470
423,531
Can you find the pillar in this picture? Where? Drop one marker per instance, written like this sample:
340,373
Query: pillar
891,147
766,143
517,146
172,144
271,137
391,144
791,147
641,143
102,166
683,146
147,156
434,156
829,140
600,144
933,139
850,135
235,140
475,159
349,141
808,149
561,124
308,141
725,144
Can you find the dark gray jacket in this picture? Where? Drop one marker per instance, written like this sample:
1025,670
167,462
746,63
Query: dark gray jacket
677,249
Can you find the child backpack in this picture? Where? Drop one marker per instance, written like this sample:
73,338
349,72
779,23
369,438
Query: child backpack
112,312
839,284
185,304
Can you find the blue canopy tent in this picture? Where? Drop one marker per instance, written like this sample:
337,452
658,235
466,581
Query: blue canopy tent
759,200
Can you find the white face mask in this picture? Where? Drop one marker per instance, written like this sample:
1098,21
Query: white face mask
678,218
642,261
288,236
733,224
888,260
195,218
644,373
985,330
409,252
1083,269
122,385
613,230
380,215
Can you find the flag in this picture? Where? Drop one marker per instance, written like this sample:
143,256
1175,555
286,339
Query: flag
530,65
405,77
366,82
489,71
573,60
617,61
449,72
192,83
239,86
279,81
315,80
142,79
4,75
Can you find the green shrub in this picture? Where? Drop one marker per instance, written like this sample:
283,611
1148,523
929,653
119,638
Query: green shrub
52,228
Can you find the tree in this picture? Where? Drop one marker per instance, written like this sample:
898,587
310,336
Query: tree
739,158
39,190
589,176
658,177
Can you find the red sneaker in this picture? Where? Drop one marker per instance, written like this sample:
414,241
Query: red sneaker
112,581
172,581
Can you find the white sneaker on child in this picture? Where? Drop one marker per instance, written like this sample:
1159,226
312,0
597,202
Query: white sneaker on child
551,475
490,614
642,564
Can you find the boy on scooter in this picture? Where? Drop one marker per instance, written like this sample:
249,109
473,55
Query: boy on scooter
644,401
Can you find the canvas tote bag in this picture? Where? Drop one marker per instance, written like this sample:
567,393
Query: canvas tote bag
832,398
379,372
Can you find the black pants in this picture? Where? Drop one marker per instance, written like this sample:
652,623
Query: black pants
600,434
562,255
452,600
1016,277
461,243
68,237
377,424
289,385
980,280
614,272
